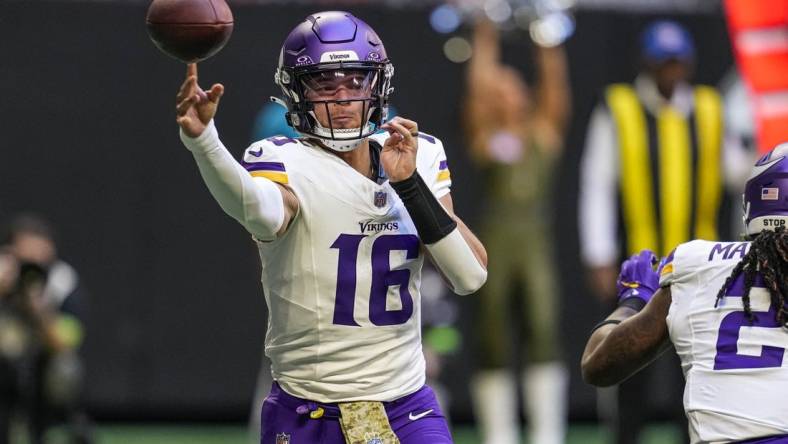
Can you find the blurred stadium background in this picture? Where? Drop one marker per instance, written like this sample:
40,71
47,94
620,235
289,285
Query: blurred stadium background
177,318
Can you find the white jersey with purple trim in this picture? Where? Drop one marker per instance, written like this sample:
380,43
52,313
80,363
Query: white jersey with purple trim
342,284
735,371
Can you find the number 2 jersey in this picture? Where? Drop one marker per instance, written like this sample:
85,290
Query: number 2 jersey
342,283
736,375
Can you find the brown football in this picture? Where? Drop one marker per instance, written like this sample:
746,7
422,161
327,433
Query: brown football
189,30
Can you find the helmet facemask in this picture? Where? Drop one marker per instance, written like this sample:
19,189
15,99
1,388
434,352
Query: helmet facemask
339,104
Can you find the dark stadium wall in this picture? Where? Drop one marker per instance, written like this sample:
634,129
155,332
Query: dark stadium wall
177,313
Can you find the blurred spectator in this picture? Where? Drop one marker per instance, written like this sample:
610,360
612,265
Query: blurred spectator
42,303
652,177
517,140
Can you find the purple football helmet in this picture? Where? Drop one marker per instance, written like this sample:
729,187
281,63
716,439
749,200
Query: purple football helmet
327,52
765,195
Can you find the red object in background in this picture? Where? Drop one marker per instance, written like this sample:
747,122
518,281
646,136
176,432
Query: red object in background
759,34
756,13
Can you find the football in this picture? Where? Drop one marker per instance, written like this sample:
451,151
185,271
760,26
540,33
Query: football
189,30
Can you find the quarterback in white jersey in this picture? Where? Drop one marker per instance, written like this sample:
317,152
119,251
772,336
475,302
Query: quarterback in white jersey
342,286
343,218
722,305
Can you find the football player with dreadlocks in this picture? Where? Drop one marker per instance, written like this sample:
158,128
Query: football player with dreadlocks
343,218
722,305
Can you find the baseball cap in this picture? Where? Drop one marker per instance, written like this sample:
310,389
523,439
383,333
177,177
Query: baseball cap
664,40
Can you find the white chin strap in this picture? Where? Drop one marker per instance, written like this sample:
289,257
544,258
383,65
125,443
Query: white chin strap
763,223
344,139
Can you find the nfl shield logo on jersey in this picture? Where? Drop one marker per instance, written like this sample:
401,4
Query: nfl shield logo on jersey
282,438
380,199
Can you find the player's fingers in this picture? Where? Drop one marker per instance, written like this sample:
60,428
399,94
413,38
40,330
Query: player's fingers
390,127
401,130
215,93
394,136
183,90
191,70
184,121
187,88
648,256
411,125
185,104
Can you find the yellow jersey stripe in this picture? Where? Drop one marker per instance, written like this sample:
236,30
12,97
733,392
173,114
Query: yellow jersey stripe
668,268
675,163
444,175
708,124
273,176
636,184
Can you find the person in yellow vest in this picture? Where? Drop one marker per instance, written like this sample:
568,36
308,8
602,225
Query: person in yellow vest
652,176
515,135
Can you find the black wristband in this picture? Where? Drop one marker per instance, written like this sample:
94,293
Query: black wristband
633,302
605,322
432,221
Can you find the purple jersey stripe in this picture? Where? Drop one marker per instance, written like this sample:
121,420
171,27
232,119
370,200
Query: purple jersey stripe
267,166
443,165
778,439
427,137
670,256
665,261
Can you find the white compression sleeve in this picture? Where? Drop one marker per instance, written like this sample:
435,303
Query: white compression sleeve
456,261
255,202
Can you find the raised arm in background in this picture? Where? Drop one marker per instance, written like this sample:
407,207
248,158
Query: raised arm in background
497,96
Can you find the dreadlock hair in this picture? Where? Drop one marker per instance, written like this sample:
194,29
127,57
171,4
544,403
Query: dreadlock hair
768,255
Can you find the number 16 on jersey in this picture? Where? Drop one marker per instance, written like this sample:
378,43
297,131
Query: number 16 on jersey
383,277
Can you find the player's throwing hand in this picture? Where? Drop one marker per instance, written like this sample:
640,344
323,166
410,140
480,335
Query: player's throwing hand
399,152
195,107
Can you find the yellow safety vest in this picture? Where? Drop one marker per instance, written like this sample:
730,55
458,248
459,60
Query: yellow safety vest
688,201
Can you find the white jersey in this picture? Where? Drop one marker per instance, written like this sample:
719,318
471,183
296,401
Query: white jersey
736,374
342,284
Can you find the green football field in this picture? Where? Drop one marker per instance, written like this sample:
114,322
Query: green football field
205,434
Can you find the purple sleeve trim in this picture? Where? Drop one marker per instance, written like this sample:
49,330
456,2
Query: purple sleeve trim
267,166
427,137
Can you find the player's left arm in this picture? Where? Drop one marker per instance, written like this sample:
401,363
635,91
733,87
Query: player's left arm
454,250
615,352
635,333
476,245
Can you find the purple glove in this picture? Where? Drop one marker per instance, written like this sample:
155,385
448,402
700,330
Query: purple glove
637,281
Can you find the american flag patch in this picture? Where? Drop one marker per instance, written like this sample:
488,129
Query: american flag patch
770,193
